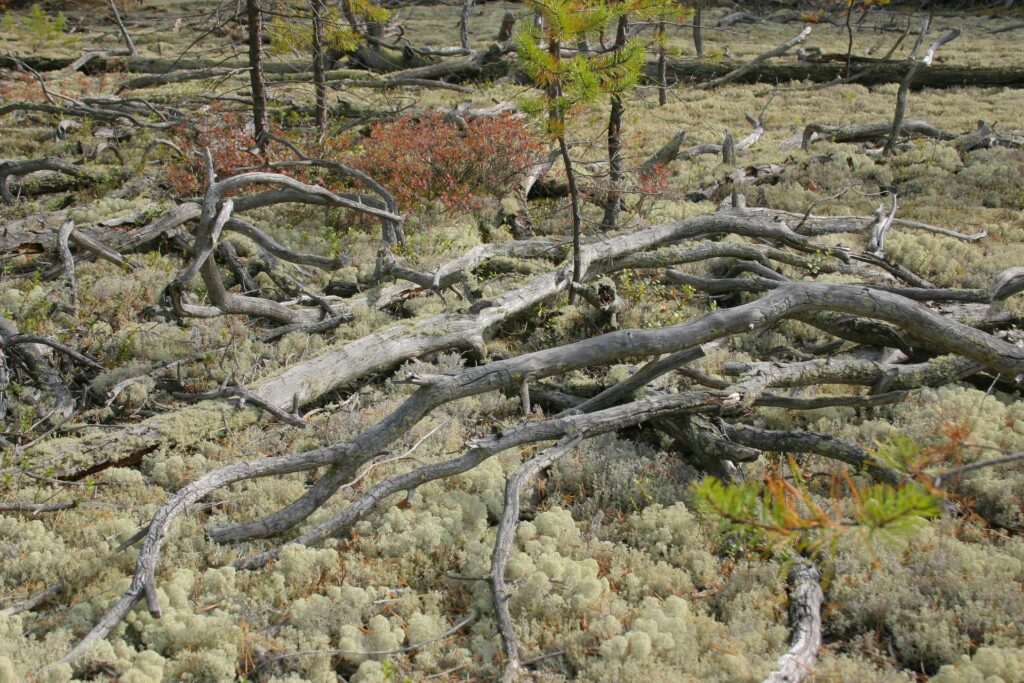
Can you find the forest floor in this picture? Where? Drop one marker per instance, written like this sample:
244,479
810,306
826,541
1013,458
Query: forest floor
614,575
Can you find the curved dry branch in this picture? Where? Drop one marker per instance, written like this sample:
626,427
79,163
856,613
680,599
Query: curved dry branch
21,168
810,442
756,61
313,193
790,300
392,229
84,110
267,241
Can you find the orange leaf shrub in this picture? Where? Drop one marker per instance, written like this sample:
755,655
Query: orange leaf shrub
425,158
229,137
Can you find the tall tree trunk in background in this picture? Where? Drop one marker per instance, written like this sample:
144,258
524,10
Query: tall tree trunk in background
577,218
319,84
254,13
662,39
849,37
698,37
464,24
556,119
613,203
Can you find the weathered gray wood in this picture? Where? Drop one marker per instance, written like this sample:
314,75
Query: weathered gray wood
805,598
21,168
787,301
752,65
901,95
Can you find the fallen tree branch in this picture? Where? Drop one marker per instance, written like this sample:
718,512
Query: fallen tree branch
503,548
917,322
805,600
901,95
756,61
943,478
35,600
21,168
869,132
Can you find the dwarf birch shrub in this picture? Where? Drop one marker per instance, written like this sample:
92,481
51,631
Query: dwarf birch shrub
427,158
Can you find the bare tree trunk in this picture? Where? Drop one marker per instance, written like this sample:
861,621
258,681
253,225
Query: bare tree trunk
464,24
698,37
132,50
662,65
557,123
728,150
577,220
254,13
319,83
613,203
849,38
508,22
925,25
901,95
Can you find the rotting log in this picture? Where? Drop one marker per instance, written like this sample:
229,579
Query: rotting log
346,363
938,76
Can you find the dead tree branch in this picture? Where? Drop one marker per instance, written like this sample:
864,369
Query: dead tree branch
805,600
901,95
756,61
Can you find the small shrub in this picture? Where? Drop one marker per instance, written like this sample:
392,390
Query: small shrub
426,158
231,144
38,28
